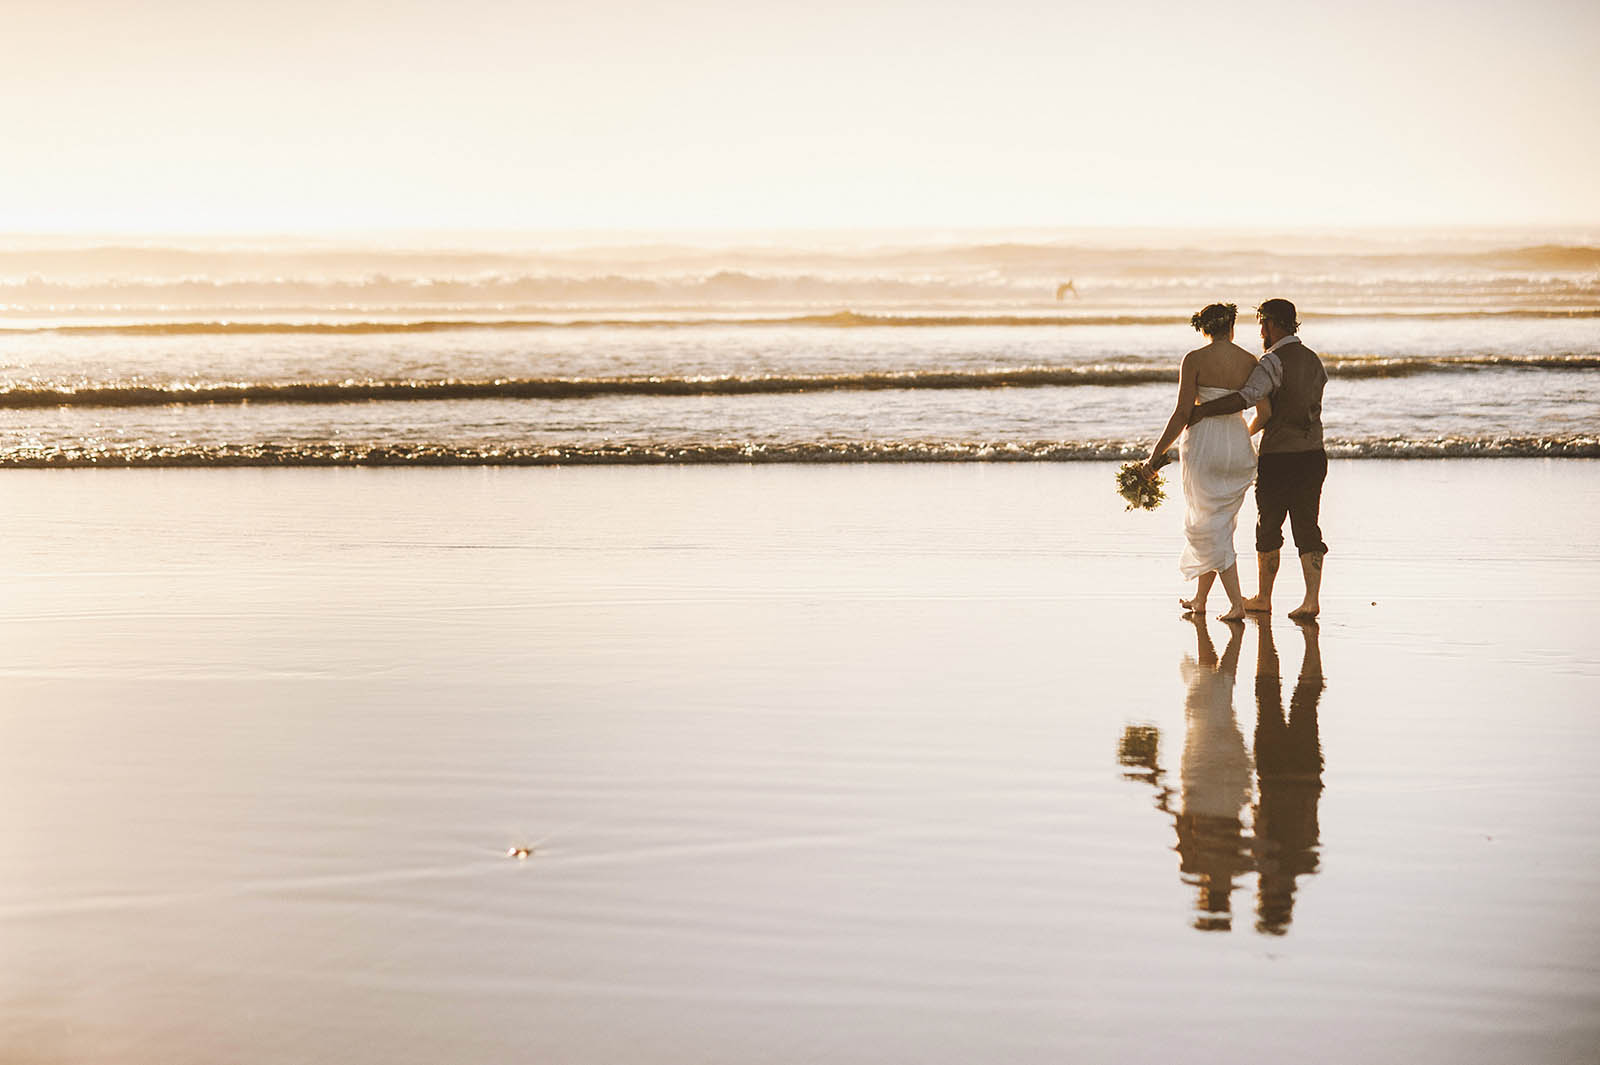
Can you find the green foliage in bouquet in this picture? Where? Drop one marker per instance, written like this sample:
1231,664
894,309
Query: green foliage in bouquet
1140,751
1142,491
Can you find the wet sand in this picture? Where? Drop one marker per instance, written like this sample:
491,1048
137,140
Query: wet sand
846,764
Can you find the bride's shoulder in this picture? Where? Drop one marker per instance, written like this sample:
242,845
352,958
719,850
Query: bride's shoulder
1201,362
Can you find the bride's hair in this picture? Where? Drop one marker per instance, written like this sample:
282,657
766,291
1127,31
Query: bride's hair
1216,319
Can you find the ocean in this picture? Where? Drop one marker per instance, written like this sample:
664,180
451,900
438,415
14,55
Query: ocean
845,762
1028,345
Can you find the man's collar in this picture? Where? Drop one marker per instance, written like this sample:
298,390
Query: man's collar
1290,339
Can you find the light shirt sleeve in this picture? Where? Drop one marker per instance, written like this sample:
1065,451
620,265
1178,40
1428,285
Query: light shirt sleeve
1263,380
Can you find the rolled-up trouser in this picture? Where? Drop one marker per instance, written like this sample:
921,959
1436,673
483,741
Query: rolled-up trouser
1290,483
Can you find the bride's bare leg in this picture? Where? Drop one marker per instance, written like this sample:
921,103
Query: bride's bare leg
1202,588
1230,584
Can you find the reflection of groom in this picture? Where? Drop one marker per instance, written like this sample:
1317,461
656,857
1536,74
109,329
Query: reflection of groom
1289,776
1293,464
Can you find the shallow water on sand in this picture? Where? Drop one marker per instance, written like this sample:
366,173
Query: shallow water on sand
845,764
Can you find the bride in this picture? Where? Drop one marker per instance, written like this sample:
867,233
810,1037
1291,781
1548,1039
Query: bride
1217,460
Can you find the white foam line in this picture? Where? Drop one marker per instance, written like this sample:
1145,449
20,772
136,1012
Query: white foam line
553,861
157,900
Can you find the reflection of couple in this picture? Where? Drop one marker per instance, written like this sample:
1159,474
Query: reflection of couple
1218,462
1214,847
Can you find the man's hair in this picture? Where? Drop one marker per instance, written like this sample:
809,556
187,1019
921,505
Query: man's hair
1280,313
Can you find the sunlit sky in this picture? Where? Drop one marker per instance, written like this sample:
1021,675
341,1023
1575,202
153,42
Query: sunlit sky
301,116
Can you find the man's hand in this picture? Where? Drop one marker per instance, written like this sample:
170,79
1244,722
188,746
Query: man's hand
1228,404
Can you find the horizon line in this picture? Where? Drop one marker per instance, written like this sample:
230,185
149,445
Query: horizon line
924,230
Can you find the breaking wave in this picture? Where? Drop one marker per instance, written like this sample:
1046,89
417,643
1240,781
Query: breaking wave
362,391
839,320
1177,253
734,452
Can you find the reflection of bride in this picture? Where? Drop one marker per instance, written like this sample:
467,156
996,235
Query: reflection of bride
1218,461
1216,780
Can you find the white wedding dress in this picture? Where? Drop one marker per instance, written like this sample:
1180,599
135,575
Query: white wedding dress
1218,463
1216,767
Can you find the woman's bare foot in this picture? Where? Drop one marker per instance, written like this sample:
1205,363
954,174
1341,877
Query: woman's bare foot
1235,613
1193,606
1258,604
1305,611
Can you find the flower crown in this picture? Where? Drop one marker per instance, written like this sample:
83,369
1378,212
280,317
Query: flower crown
1215,317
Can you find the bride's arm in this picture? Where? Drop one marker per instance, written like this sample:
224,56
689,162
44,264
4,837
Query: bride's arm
1187,389
1263,412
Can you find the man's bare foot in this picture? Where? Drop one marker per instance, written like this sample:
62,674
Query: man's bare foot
1258,605
1305,612
1192,606
1235,613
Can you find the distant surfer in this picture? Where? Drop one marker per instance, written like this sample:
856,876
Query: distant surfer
1064,288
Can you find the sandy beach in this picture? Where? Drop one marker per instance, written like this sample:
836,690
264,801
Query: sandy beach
843,763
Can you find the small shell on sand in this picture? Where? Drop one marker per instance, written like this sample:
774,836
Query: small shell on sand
519,852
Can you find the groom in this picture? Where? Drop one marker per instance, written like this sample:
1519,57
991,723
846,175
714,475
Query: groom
1293,464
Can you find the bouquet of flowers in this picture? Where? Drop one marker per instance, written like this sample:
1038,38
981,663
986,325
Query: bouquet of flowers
1140,488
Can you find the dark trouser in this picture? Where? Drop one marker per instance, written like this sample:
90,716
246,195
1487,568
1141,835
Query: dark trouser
1290,483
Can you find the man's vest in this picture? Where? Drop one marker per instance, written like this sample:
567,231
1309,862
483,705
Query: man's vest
1296,422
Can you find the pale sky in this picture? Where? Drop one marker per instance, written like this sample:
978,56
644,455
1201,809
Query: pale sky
299,116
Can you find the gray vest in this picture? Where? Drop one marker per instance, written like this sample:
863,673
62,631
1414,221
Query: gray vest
1296,422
